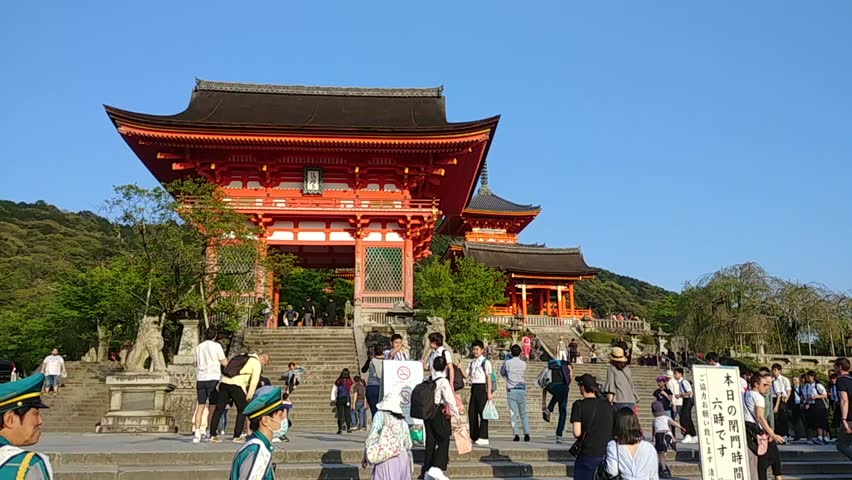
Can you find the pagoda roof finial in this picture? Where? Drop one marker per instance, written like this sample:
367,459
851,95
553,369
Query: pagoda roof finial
483,177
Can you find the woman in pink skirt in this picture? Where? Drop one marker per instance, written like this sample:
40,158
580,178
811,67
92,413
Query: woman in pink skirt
527,345
390,431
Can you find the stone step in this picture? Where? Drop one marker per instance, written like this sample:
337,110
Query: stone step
334,471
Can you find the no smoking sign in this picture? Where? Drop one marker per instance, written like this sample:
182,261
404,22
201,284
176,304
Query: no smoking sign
403,373
406,397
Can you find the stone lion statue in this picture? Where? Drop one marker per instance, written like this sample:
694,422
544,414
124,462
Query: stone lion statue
149,344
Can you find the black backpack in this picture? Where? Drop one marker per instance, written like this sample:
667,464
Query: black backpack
232,369
458,378
423,400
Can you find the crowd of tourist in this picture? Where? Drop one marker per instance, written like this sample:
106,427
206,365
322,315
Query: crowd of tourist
603,420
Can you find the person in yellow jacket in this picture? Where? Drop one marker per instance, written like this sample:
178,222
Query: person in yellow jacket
20,422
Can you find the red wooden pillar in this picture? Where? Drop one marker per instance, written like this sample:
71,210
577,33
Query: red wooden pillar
571,298
547,304
524,302
276,295
560,301
358,281
408,271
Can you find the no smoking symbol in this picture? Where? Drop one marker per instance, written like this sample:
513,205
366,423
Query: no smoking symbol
406,397
403,373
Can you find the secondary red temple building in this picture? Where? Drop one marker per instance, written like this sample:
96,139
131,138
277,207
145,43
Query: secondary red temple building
355,179
540,280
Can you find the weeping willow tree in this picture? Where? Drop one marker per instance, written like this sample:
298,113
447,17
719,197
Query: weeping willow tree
741,306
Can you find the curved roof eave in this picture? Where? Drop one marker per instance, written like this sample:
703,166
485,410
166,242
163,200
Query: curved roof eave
119,116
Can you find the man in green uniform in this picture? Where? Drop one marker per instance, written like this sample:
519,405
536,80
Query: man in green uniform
266,416
20,422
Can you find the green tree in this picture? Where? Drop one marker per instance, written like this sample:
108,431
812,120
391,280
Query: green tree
101,304
460,294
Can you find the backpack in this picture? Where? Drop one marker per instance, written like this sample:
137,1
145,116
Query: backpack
458,378
544,378
423,400
232,369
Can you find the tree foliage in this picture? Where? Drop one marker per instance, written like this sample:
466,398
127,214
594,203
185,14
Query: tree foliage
461,294
742,306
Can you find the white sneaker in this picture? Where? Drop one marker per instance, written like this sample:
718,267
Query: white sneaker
276,440
688,439
196,436
482,442
436,474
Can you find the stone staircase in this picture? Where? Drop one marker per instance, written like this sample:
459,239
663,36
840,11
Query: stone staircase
83,399
643,377
323,353
550,337
340,462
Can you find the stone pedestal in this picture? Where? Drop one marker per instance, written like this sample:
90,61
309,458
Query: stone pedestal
188,341
137,403
181,402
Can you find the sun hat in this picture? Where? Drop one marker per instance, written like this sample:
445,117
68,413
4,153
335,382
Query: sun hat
617,355
391,403
669,374
657,408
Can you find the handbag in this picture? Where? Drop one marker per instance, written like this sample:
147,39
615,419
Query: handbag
490,411
756,439
333,396
602,474
462,437
384,444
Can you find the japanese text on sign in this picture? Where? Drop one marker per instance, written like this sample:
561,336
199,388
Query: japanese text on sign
721,429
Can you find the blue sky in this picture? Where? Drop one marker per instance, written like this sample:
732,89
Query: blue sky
666,138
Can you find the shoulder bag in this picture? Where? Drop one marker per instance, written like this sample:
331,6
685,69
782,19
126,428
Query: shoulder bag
602,474
577,447
385,443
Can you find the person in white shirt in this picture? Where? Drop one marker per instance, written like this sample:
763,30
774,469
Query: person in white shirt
395,352
686,394
436,343
438,429
674,387
753,413
815,407
628,454
781,390
479,376
209,358
562,349
53,368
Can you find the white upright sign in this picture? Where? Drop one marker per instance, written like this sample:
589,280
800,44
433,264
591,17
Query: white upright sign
721,429
401,377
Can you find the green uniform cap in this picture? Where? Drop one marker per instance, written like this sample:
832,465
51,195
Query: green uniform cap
265,403
23,393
